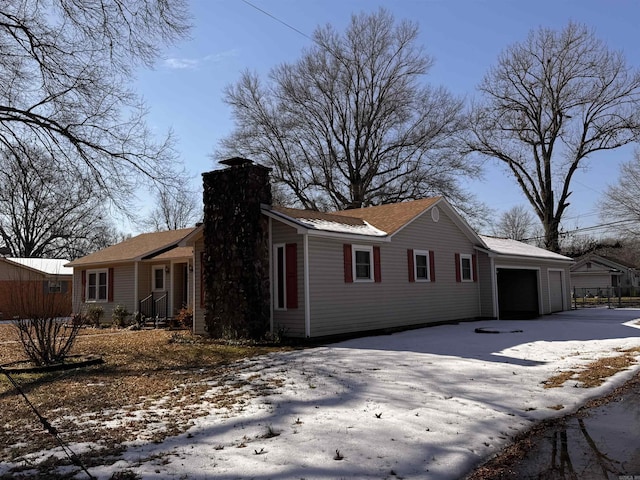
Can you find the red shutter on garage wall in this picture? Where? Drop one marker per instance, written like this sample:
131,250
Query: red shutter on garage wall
458,275
377,272
348,271
474,266
432,266
292,274
83,277
412,276
110,287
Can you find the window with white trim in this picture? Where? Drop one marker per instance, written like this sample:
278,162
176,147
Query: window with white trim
158,278
279,285
97,285
55,286
362,263
421,265
466,268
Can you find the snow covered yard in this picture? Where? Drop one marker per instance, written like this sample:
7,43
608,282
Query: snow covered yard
428,403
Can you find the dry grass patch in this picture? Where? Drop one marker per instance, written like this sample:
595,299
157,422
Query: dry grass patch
152,385
595,373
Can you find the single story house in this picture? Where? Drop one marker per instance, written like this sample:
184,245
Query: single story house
377,268
148,273
313,274
592,274
34,286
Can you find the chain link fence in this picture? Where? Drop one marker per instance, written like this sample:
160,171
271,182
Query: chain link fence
612,297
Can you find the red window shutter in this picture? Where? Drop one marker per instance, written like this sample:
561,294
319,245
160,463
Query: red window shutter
377,272
110,285
83,277
474,267
432,266
458,275
348,271
202,279
292,275
412,276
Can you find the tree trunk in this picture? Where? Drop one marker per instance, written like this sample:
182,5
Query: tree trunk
552,236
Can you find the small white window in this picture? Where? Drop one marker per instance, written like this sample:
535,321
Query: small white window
466,268
158,278
363,263
421,265
96,286
55,286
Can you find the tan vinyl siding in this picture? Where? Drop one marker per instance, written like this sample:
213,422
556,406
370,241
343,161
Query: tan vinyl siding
337,307
289,321
123,290
593,281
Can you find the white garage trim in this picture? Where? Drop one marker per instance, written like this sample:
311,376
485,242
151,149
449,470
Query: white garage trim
562,286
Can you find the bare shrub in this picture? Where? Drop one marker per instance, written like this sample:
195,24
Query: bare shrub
43,321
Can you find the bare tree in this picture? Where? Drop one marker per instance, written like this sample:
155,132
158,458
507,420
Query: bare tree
516,223
65,70
175,208
43,211
352,123
622,200
549,103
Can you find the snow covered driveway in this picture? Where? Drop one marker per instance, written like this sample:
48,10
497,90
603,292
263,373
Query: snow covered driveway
421,404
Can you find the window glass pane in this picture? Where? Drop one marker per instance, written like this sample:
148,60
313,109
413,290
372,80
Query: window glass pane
159,279
421,267
466,269
91,290
363,264
102,286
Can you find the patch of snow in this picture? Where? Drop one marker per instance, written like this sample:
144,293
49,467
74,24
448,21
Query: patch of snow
506,246
428,403
365,229
50,266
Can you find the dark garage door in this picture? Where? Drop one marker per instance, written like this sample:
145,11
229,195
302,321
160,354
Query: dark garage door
517,293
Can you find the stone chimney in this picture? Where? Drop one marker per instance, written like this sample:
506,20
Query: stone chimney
236,254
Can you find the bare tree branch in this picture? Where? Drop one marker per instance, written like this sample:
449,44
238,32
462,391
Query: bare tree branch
549,103
351,123
65,70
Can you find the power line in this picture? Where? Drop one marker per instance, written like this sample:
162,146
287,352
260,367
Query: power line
585,229
278,20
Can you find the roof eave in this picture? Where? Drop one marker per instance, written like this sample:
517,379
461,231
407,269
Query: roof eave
513,256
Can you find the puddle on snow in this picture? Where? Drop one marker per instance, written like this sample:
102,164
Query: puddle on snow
600,443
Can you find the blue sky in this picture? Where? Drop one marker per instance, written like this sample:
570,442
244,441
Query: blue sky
465,37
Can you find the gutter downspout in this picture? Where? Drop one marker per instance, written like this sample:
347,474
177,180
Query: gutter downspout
270,277
307,306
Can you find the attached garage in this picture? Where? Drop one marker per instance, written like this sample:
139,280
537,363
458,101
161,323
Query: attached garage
526,281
